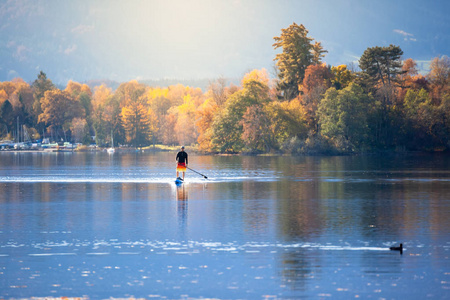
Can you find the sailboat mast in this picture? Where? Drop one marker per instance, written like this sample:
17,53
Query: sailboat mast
18,131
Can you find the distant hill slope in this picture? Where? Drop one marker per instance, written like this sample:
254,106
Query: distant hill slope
196,83
98,82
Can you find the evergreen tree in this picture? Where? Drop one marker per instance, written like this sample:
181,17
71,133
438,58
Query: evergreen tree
139,122
40,86
298,53
382,63
6,115
380,69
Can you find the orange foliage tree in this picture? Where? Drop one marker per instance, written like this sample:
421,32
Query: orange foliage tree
204,120
439,78
139,121
59,109
317,80
105,114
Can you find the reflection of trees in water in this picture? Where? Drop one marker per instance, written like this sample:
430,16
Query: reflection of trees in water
182,205
301,218
295,266
330,197
301,212
255,213
403,208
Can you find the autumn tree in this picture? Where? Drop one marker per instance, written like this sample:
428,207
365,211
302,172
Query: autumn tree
82,93
159,102
428,127
443,118
139,122
168,134
287,122
23,95
177,120
439,77
218,91
184,127
129,91
298,52
381,67
342,77
343,117
205,115
216,97
40,86
318,53
20,97
178,92
418,113
59,109
256,129
3,96
174,108
6,117
80,131
105,114
409,68
317,80
413,101
316,76
7,89
126,93
227,126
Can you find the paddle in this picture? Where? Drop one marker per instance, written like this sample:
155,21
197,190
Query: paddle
197,172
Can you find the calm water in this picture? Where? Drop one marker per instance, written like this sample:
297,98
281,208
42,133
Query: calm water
116,225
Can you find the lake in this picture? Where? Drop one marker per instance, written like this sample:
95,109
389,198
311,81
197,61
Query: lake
97,225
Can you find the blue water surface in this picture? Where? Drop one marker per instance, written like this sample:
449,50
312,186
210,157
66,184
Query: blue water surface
97,225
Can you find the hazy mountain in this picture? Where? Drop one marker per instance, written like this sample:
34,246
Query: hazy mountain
138,39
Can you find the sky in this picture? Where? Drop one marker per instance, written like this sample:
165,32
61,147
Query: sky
198,39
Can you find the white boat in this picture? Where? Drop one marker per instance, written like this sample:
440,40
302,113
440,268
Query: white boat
111,150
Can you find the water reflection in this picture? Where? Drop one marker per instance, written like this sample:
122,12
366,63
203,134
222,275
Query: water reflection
296,268
311,226
182,205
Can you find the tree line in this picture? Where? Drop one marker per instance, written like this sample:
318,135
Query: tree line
310,108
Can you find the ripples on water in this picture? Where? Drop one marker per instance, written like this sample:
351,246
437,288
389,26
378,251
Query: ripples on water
259,227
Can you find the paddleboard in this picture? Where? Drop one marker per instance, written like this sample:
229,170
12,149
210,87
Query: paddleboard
178,181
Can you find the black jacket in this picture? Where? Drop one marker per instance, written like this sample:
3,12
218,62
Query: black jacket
182,157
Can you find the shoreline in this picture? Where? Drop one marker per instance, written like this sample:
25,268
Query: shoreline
157,150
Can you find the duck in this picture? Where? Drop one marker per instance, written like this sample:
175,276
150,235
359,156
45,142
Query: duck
400,248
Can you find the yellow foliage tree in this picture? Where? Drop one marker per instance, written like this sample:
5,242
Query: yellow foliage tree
75,88
204,119
105,115
3,96
127,91
102,95
256,75
184,126
59,109
139,122
83,94
342,77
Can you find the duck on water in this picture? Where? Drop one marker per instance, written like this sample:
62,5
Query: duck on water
400,248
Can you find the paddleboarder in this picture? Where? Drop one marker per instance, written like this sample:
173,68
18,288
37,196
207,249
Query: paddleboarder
182,161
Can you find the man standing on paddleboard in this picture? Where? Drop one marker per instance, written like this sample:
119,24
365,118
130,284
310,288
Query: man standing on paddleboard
182,159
